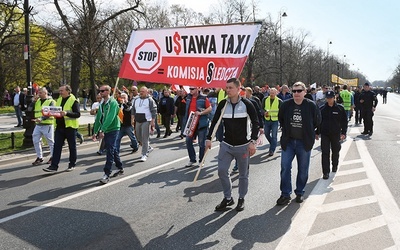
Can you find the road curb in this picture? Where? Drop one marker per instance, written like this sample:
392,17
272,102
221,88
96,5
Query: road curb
30,154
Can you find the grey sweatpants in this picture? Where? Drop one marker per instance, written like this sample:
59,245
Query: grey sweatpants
48,132
226,154
142,131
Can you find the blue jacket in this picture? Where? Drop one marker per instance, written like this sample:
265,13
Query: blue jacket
200,106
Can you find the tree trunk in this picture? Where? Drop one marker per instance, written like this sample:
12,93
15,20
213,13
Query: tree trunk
76,65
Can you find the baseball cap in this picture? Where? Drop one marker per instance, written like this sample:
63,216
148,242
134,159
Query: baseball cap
330,94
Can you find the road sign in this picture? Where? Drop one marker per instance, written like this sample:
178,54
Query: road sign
146,57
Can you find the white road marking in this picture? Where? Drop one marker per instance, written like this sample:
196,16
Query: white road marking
389,207
298,236
344,232
56,202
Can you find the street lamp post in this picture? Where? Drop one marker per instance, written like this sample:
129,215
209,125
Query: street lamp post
280,46
28,124
344,62
328,64
338,69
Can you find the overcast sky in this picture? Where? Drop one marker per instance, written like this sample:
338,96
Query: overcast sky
365,33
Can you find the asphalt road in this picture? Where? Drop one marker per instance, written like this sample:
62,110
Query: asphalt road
156,205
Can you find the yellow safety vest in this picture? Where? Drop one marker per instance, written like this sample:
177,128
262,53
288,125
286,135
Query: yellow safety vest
272,109
346,96
221,95
69,122
38,111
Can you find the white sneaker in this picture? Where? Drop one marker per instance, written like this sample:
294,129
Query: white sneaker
105,179
144,158
149,150
190,164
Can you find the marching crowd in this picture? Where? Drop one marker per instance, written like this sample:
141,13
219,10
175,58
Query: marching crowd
235,116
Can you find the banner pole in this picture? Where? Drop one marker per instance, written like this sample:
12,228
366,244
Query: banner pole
212,136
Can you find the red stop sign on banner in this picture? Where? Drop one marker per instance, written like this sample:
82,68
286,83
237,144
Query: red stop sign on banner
146,57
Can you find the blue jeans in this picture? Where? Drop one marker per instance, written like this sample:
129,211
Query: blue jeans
294,148
126,130
18,112
271,133
112,154
201,137
59,137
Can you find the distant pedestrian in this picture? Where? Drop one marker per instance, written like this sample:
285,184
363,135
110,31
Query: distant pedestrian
333,129
180,104
18,103
271,106
298,117
368,102
67,125
285,93
357,106
241,127
126,124
144,113
107,127
166,109
348,101
44,126
384,96
85,96
6,98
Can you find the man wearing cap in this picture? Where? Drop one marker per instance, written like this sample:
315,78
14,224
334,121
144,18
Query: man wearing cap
332,129
368,102
199,104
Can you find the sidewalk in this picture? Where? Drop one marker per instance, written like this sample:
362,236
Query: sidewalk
7,126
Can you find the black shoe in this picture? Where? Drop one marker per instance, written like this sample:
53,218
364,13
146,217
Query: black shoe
158,136
81,140
370,133
49,161
299,198
38,161
240,205
283,200
134,150
364,133
50,169
325,176
224,203
170,132
334,169
165,136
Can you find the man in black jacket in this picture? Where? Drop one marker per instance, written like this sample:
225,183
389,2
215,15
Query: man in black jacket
368,102
298,117
333,128
240,126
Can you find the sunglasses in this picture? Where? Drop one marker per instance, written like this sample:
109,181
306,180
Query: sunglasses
102,90
297,90
192,88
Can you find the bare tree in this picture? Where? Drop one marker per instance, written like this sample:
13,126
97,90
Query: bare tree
85,31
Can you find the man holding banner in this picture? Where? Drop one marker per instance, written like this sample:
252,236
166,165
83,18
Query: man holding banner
240,122
200,106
